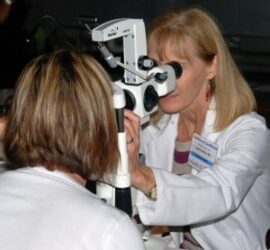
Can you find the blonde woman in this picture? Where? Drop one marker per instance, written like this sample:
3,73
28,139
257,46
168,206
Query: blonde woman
61,130
207,168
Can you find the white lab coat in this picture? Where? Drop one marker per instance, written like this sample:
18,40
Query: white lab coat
227,206
49,210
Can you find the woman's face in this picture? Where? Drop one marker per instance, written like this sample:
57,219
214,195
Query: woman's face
191,86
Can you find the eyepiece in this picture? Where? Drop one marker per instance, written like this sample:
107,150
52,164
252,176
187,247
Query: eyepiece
177,68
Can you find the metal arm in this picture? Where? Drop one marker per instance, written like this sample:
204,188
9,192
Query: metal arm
142,84
115,187
134,43
140,90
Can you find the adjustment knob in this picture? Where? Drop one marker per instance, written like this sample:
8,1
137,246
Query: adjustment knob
150,99
146,63
130,100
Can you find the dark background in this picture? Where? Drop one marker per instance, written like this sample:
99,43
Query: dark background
27,32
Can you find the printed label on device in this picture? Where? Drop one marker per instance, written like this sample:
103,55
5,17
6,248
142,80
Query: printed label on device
202,153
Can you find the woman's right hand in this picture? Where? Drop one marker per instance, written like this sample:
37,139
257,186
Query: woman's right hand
133,128
142,177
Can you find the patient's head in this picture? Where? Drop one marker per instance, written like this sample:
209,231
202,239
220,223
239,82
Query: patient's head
62,116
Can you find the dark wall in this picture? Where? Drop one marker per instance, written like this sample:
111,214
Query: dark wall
245,17
245,23
236,16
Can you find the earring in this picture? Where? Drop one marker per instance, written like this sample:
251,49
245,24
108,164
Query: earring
208,92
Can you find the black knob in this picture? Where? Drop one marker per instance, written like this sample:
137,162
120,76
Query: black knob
130,100
150,99
161,77
146,63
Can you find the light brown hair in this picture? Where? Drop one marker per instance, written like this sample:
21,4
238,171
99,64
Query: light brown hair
62,116
232,94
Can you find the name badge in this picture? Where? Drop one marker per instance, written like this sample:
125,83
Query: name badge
202,153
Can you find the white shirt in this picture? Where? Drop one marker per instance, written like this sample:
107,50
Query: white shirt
44,210
228,205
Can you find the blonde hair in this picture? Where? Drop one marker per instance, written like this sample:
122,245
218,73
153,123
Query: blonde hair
232,94
62,116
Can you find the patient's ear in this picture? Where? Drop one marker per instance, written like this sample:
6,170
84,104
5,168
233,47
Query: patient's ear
212,69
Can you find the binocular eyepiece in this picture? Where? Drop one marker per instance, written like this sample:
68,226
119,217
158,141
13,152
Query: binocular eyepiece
163,79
